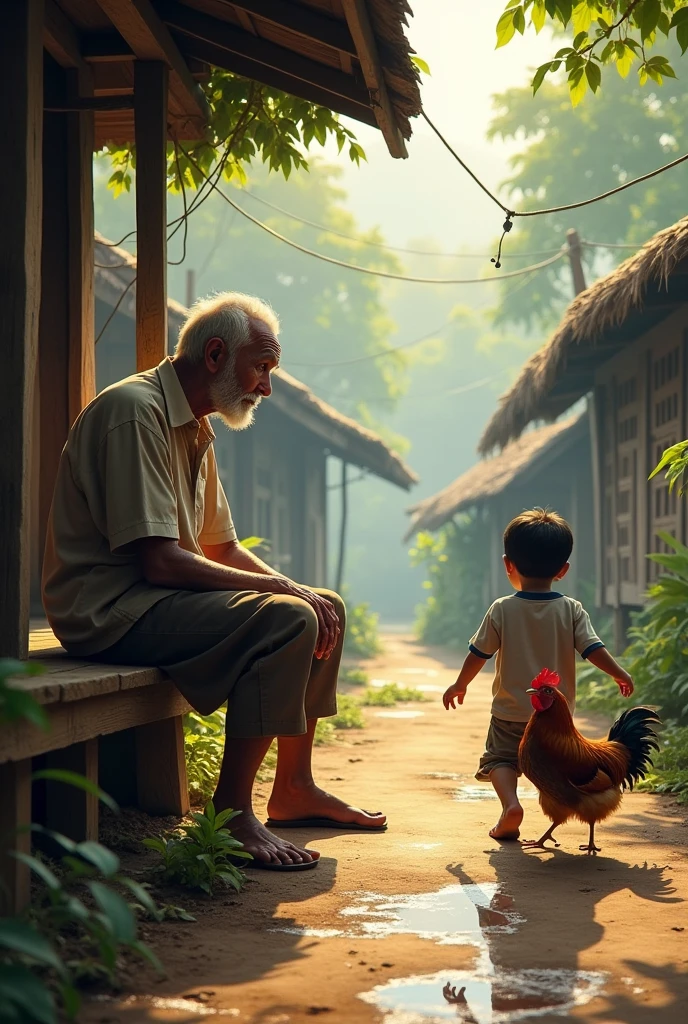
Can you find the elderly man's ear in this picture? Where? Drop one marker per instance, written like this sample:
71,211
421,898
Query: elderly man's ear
215,354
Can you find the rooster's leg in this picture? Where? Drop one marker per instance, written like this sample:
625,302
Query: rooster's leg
539,844
590,847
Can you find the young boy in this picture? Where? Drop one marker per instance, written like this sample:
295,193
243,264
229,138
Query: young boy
534,628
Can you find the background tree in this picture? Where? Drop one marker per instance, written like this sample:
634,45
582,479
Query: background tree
604,32
566,155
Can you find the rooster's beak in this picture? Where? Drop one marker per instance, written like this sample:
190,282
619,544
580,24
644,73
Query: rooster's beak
531,690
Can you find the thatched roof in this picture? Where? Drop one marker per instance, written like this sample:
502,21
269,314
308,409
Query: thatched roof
347,439
492,476
611,313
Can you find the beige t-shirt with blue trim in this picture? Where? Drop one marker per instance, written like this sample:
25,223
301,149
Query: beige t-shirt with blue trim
529,632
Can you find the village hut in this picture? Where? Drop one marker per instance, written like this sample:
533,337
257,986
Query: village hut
547,467
623,342
80,74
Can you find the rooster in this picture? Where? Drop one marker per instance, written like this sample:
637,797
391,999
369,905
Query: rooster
576,777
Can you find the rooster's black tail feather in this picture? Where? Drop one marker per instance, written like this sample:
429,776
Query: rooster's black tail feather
635,729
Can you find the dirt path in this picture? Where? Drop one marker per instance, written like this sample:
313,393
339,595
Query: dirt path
555,936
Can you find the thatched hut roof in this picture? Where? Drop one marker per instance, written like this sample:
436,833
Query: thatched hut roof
347,439
492,476
608,315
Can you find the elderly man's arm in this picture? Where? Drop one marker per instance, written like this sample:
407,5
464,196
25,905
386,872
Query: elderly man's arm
166,564
235,556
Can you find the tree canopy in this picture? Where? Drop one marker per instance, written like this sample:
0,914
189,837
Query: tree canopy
566,155
605,33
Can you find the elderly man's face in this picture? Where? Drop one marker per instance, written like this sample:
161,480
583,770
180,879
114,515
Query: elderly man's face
245,380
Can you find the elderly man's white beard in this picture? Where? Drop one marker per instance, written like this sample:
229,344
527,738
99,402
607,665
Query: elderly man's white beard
232,405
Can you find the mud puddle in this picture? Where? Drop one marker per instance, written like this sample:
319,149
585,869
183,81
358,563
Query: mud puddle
196,1004
471,792
487,995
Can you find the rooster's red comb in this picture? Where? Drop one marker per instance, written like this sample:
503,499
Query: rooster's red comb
546,678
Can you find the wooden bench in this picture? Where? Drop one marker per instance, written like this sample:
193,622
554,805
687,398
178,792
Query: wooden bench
120,726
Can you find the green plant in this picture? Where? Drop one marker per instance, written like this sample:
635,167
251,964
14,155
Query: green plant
389,695
604,33
456,560
362,632
81,922
204,744
673,464
670,772
349,716
354,676
203,854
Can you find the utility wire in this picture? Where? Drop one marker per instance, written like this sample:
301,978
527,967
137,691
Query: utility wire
382,245
460,390
369,270
374,355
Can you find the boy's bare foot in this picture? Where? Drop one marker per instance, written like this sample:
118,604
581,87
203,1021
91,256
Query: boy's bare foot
509,824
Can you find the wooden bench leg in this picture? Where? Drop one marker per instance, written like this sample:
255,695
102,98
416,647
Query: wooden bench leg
161,767
70,810
15,811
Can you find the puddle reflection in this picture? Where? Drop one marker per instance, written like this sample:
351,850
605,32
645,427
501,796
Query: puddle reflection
484,996
470,793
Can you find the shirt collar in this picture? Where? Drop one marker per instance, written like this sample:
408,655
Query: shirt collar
533,595
177,404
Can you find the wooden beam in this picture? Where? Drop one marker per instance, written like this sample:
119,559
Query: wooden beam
68,809
60,38
21,82
359,109
235,41
162,786
15,814
140,26
361,30
150,113
306,22
103,47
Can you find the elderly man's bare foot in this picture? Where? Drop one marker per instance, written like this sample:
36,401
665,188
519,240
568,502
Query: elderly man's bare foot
312,802
509,824
264,846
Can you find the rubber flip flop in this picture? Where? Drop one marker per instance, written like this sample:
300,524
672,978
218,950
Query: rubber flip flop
345,826
265,865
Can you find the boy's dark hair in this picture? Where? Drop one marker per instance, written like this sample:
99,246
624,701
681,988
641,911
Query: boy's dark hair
539,543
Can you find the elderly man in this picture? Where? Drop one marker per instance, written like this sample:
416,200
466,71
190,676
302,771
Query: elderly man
143,566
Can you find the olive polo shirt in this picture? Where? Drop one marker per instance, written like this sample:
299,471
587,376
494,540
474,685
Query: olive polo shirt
137,463
529,632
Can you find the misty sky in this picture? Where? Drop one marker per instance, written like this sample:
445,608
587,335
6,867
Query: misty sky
428,195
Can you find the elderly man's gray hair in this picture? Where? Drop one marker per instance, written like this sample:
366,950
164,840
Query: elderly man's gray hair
225,316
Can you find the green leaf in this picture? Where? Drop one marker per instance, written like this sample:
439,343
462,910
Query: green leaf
19,937
142,895
39,868
519,20
578,85
77,780
22,989
539,15
505,28
593,75
117,912
646,17
624,58
105,860
420,64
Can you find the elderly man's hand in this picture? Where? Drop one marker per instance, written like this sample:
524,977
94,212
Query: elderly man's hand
328,620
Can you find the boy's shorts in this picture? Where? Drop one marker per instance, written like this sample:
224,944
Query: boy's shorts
501,747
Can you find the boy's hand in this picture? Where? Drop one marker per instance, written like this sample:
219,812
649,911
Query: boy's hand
625,684
457,692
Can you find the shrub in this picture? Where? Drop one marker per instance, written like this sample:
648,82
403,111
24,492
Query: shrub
354,676
362,638
456,559
389,695
204,745
201,855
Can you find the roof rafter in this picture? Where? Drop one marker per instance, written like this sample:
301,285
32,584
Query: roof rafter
306,22
362,33
60,38
235,41
139,24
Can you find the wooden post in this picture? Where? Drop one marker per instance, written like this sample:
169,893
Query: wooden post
342,529
81,300
161,767
573,242
596,420
150,113
70,810
190,288
21,82
15,813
